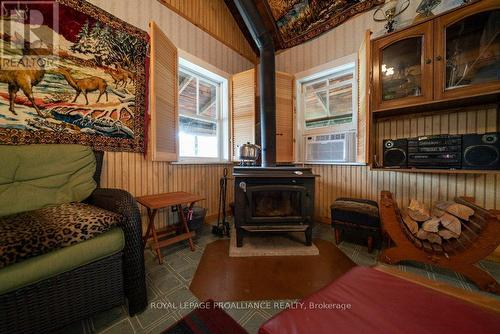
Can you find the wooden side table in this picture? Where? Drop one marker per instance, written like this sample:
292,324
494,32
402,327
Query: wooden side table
155,202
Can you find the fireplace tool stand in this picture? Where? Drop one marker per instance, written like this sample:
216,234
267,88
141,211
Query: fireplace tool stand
222,227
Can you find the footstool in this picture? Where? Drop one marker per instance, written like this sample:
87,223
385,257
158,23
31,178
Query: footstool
358,216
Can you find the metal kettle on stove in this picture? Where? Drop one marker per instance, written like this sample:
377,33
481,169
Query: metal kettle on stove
249,152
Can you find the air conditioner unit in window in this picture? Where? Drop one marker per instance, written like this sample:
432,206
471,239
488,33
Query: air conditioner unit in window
335,147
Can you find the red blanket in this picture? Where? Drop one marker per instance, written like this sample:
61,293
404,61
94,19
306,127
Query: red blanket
365,300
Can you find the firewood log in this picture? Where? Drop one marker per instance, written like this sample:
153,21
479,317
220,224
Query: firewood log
442,205
410,223
418,212
431,225
422,235
434,238
451,223
436,212
458,210
461,211
447,234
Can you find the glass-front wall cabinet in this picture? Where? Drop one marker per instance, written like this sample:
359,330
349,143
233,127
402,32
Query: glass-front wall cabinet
403,67
470,41
452,56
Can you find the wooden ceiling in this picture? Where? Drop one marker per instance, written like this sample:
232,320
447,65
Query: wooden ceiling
293,22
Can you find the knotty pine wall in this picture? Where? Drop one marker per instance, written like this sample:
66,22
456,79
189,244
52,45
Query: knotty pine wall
131,171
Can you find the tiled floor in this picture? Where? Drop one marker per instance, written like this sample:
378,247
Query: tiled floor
168,288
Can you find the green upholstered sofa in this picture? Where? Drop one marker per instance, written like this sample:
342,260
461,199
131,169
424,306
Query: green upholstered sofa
54,288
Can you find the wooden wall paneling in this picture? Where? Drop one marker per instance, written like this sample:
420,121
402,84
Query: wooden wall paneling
214,18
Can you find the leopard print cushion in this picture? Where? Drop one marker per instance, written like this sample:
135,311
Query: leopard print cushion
28,234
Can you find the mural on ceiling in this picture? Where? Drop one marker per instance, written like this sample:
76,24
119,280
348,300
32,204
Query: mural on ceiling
300,20
71,73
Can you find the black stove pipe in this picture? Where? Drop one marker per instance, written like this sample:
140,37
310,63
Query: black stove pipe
267,81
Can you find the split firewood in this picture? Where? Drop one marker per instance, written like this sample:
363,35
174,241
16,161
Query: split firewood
418,212
458,210
451,223
431,225
410,223
442,205
436,212
422,235
461,211
447,234
434,238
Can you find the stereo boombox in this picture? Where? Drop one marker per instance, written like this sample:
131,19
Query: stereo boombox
471,151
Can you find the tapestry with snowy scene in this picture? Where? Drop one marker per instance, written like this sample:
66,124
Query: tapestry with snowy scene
71,73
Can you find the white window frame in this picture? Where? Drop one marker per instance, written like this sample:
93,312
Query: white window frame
317,73
194,65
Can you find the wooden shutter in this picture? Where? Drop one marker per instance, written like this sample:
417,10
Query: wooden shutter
284,117
364,68
243,109
163,108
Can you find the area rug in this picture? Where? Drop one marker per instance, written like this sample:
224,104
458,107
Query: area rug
282,244
206,319
224,278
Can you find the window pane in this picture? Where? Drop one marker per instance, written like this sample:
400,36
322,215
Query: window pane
316,105
208,99
187,145
198,138
333,106
187,94
340,79
207,147
316,85
198,116
341,100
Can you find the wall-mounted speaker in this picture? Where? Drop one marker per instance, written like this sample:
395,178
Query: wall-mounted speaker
481,151
395,153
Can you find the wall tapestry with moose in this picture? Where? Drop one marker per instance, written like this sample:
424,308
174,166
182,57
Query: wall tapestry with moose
71,73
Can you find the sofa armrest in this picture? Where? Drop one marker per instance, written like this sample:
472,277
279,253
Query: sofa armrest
123,203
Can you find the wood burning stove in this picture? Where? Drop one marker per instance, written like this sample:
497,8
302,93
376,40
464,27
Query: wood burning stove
270,198
273,199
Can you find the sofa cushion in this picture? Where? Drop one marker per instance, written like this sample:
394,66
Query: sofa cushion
62,260
33,176
28,234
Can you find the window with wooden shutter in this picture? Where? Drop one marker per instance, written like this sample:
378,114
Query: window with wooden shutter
284,117
163,145
243,109
364,59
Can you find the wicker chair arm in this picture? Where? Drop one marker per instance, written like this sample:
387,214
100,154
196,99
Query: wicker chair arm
123,203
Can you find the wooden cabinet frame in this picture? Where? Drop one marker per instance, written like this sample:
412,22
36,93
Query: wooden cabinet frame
423,31
434,96
440,25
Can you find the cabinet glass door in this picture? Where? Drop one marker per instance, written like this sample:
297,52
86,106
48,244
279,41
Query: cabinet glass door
401,69
473,50
467,51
